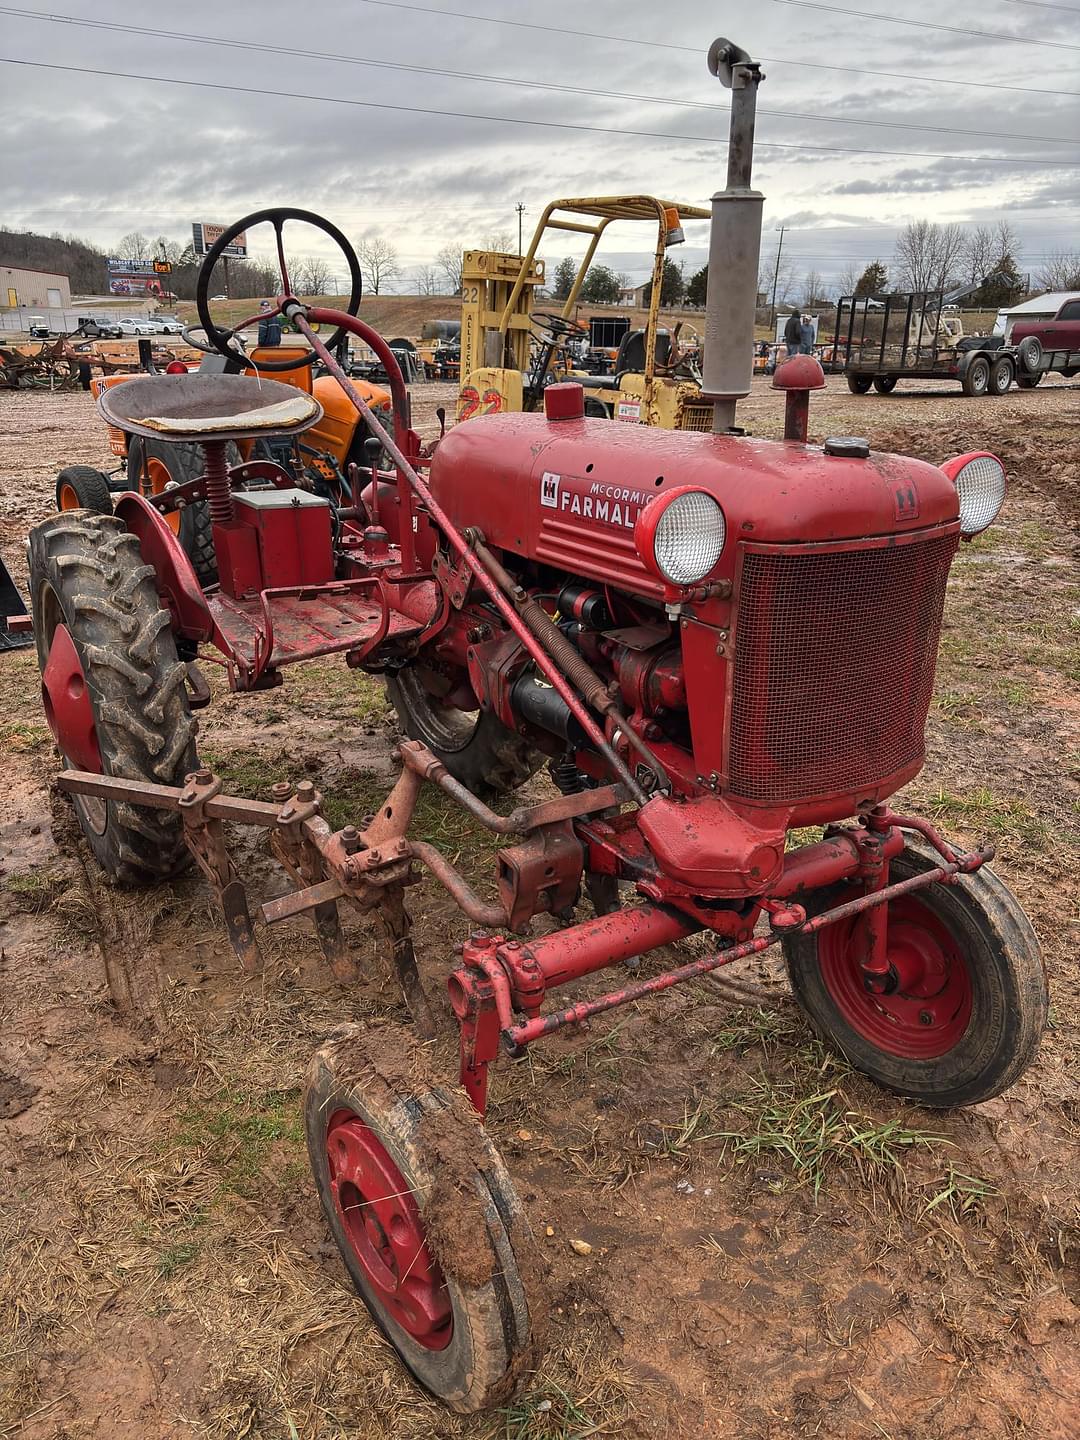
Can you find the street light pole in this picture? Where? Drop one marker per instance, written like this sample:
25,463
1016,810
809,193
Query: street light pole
776,280
520,213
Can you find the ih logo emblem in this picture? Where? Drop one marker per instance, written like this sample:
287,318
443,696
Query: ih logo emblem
549,490
906,499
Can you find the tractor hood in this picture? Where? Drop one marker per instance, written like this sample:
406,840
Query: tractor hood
568,492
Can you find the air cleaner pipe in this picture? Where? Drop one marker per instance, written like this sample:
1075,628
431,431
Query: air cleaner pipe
300,316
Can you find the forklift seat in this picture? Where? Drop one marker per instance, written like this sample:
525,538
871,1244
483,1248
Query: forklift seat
631,356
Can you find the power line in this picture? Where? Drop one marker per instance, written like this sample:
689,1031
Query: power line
925,24
1045,5
260,46
264,94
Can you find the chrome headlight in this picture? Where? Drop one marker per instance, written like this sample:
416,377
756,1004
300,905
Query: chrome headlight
683,535
980,488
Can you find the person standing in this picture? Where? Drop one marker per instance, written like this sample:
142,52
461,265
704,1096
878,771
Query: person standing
793,333
269,326
806,336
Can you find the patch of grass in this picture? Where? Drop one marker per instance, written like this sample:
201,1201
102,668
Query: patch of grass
815,1133
955,706
176,1257
22,737
960,1193
756,1026
340,693
984,811
36,891
236,1130
1018,693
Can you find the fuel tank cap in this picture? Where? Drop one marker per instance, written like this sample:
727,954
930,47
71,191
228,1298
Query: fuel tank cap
851,447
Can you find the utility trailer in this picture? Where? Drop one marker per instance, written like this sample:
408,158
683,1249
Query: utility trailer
880,339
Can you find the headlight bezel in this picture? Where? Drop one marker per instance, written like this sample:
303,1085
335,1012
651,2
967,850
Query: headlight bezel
648,525
980,512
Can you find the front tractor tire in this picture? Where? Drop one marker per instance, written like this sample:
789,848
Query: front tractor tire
425,1217
113,688
474,745
966,1002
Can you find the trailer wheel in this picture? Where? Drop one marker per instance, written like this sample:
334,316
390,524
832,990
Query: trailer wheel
81,487
859,384
425,1217
474,745
112,686
1029,353
976,380
1001,376
168,463
1028,382
884,384
967,998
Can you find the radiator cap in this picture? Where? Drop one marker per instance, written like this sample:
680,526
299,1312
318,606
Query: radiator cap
851,447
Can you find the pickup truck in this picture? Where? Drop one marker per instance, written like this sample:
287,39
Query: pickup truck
1047,344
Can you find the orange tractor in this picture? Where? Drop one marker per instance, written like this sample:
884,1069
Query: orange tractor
152,466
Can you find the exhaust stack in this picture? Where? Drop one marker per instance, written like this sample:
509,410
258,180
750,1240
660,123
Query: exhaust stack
734,245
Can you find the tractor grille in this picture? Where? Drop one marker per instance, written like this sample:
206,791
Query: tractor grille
834,666
696,417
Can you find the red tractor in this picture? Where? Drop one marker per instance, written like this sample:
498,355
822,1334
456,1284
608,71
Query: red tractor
711,640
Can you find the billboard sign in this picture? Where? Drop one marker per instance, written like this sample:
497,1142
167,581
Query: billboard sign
134,277
204,236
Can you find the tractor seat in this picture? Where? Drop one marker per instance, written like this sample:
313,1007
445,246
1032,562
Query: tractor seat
208,407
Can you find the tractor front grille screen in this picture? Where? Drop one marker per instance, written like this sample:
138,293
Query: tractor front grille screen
696,417
834,666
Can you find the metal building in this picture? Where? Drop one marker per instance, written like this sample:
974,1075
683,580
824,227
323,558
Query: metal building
19,286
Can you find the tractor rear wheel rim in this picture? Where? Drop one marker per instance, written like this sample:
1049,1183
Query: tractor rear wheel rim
160,479
385,1231
928,1007
65,698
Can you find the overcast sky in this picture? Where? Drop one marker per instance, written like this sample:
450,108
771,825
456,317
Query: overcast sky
98,156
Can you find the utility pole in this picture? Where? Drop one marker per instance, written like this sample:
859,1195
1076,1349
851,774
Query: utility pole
776,280
520,213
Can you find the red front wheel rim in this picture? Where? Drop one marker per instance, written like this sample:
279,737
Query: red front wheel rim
926,1008
385,1232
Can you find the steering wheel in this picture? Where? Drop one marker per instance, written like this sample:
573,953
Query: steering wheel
219,338
557,325
196,337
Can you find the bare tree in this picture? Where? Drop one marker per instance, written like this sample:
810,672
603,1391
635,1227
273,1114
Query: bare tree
501,241
449,261
928,255
849,277
379,263
134,246
314,276
1061,271
813,288
428,281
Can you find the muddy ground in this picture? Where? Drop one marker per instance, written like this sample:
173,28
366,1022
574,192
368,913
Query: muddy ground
778,1249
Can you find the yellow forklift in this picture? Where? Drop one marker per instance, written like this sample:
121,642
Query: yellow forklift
510,351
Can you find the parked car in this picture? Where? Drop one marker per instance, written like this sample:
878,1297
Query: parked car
38,327
135,328
166,324
95,329
1048,343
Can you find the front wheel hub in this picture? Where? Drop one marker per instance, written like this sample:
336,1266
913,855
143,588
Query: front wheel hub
924,1007
385,1230
66,701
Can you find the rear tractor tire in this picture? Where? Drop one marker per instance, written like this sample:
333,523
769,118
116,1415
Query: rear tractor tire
425,1217
474,745
966,1000
859,384
81,487
112,686
168,463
